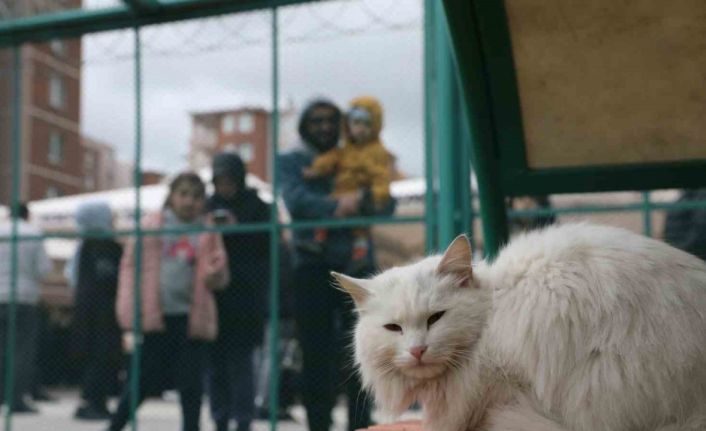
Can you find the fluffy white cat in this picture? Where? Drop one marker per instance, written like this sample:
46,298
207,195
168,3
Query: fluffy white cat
576,327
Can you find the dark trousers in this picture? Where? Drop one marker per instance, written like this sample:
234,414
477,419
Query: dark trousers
100,376
168,358
42,352
27,330
231,377
325,320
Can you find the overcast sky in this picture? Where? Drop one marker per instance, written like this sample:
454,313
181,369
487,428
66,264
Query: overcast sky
337,49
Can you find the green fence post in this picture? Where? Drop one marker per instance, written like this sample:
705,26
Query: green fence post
646,214
274,233
14,242
484,151
137,281
431,240
465,194
446,131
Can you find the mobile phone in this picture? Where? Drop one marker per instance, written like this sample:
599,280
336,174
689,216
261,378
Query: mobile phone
221,216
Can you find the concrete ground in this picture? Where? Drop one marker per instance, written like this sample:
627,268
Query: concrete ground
154,415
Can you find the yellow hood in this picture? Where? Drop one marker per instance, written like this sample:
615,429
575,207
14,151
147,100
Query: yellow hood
371,105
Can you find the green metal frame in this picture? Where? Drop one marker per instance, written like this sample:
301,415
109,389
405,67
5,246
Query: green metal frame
471,113
473,67
429,159
238,228
446,136
646,205
9,348
486,22
517,177
484,57
143,6
136,357
275,230
135,14
445,130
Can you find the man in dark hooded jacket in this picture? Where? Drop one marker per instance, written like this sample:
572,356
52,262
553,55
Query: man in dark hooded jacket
323,314
242,305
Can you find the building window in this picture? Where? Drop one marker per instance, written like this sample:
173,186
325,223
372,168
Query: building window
89,161
58,47
230,147
245,150
109,179
56,148
201,160
205,136
52,192
89,183
246,123
228,125
57,92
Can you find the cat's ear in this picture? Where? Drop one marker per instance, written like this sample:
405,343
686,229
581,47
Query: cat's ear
354,286
457,261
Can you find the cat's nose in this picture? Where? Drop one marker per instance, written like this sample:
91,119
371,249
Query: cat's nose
418,351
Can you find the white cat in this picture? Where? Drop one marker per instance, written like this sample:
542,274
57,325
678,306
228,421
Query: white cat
576,327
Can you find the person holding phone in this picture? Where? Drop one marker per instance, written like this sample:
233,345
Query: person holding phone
222,216
242,305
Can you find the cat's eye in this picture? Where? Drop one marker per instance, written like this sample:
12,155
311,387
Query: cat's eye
434,318
393,327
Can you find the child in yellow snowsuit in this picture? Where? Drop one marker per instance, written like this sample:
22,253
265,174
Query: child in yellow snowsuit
361,164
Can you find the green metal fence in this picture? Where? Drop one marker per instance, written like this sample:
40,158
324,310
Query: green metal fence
136,14
449,199
14,240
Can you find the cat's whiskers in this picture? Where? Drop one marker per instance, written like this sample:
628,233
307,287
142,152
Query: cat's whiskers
458,357
385,365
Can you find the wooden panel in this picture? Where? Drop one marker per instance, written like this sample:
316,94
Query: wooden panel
607,82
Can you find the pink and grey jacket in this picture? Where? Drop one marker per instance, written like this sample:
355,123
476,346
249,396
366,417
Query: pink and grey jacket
203,318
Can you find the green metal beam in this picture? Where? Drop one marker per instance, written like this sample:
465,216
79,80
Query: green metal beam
431,237
484,52
473,67
265,226
687,174
77,22
135,359
445,130
274,383
463,148
236,228
9,348
646,214
143,5
446,136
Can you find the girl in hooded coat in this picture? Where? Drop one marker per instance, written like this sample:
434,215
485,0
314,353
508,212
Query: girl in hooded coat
179,273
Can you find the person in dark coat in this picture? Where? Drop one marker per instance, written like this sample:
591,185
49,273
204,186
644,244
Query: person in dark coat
96,337
242,305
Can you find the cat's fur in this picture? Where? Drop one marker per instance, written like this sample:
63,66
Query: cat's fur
577,327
